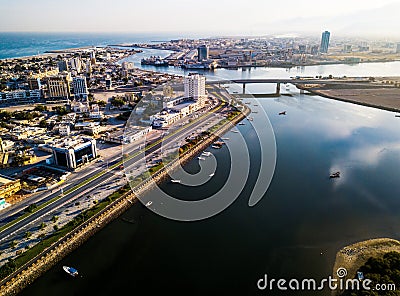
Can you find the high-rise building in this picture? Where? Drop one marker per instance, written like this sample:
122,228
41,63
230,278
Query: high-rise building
195,86
314,49
93,57
59,87
80,87
324,42
202,52
108,82
34,83
76,64
63,65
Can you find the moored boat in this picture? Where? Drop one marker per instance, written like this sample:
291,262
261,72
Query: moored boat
70,270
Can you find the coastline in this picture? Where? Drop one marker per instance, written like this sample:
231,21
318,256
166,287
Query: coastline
33,269
378,99
355,255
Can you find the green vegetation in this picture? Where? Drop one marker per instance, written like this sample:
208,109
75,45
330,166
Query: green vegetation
385,270
31,208
58,233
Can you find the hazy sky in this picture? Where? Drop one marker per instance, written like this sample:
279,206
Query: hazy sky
210,17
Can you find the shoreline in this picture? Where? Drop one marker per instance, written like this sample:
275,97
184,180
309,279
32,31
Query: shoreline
380,103
355,255
29,272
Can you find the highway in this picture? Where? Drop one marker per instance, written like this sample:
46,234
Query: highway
100,174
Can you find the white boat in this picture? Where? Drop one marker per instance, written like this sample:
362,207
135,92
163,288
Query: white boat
70,270
235,131
216,146
201,158
206,153
241,123
224,138
175,181
211,175
149,203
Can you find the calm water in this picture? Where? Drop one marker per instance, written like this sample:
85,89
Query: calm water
303,213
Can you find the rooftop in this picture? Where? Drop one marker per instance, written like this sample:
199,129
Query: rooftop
4,180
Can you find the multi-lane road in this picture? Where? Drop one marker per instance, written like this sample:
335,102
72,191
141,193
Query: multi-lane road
99,173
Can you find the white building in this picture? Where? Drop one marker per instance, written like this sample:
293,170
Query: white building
76,64
80,87
127,66
195,86
121,137
71,153
64,130
20,96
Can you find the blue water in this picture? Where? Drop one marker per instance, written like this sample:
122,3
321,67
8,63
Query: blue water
27,44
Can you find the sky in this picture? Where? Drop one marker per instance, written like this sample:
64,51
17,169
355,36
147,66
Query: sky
364,18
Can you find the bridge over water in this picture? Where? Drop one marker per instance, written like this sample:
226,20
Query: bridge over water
295,81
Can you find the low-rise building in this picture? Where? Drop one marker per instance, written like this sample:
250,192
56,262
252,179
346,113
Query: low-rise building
74,152
122,137
8,186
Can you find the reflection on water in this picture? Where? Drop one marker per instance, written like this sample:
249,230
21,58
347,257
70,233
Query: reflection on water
295,231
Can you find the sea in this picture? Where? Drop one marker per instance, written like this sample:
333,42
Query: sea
296,229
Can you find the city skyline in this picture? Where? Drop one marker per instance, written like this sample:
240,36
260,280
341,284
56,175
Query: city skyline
345,18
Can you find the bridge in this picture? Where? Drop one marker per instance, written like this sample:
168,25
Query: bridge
295,81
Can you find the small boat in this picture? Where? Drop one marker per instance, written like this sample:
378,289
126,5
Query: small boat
201,158
250,118
248,103
175,181
334,175
211,175
282,113
235,131
254,112
241,123
206,153
70,270
216,146
398,115
224,139
256,105
149,203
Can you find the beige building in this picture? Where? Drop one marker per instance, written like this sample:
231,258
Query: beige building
59,87
8,186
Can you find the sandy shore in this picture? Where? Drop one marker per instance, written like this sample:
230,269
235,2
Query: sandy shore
382,98
354,256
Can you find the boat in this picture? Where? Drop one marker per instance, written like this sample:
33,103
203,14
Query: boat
398,115
334,175
235,131
254,112
175,181
149,203
211,175
241,123
282,113
154,61
250,118
206,153
216,146
70,270
224,138
255,105
201,158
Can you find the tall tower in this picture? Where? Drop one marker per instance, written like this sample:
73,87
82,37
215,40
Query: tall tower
202,52
195,86
324,42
